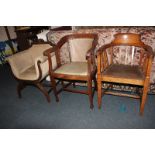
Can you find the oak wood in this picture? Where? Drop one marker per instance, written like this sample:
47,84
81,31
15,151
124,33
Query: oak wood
90,57
37,83
124,74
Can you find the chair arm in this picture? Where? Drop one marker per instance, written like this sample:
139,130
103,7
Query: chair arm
41,66
102,49
149,50
50,50
89,53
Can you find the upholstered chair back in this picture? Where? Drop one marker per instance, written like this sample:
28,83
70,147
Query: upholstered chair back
24,64
78,48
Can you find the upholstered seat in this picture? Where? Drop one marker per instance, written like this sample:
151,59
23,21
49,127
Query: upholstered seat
74,68
28,74
30,67
80,68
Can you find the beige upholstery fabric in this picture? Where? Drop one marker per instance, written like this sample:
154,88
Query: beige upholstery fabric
79,48
28,74
74,68
20,62
24,64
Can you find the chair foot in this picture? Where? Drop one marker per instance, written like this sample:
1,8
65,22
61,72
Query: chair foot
99,106
143,100
20,87
57,99
91,106
141,113
74,86
42,89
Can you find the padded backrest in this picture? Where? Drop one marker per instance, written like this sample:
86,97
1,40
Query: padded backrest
79,47
20,62
37,50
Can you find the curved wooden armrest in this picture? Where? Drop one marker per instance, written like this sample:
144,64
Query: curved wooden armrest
149,50
49,51
89,53
102,48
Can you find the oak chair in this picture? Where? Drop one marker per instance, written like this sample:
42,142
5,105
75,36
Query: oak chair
80,67
129,71
30,67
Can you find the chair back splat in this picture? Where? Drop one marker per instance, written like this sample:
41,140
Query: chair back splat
131,71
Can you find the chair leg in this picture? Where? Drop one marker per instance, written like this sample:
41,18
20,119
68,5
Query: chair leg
90,93
53,83
99,92
143,100
43,90
20,86
74,85
95,83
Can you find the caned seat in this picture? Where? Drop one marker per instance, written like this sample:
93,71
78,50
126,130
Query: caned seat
126,46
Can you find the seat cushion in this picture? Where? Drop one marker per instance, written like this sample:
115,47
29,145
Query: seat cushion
73,68
29,74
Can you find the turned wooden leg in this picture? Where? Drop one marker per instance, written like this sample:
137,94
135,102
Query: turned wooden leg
20,86
143,100
43,90
99,93
53,83
90,93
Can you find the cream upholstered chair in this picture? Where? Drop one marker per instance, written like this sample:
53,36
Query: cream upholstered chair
80,67
30,67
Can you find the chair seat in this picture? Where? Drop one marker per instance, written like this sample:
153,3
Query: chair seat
123,74
29,74
73,68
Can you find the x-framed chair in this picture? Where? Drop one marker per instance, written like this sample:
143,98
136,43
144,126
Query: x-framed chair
81,66
30,67
135,74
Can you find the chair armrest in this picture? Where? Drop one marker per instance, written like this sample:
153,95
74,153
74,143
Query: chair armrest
89,53
102,49
149,50
49,51
41,66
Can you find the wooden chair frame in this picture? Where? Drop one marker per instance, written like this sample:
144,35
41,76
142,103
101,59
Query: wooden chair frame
90,57
103,64
36,83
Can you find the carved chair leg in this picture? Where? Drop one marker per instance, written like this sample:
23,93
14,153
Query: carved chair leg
43,90
144,97
90,93
99,93
53,83
20,86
